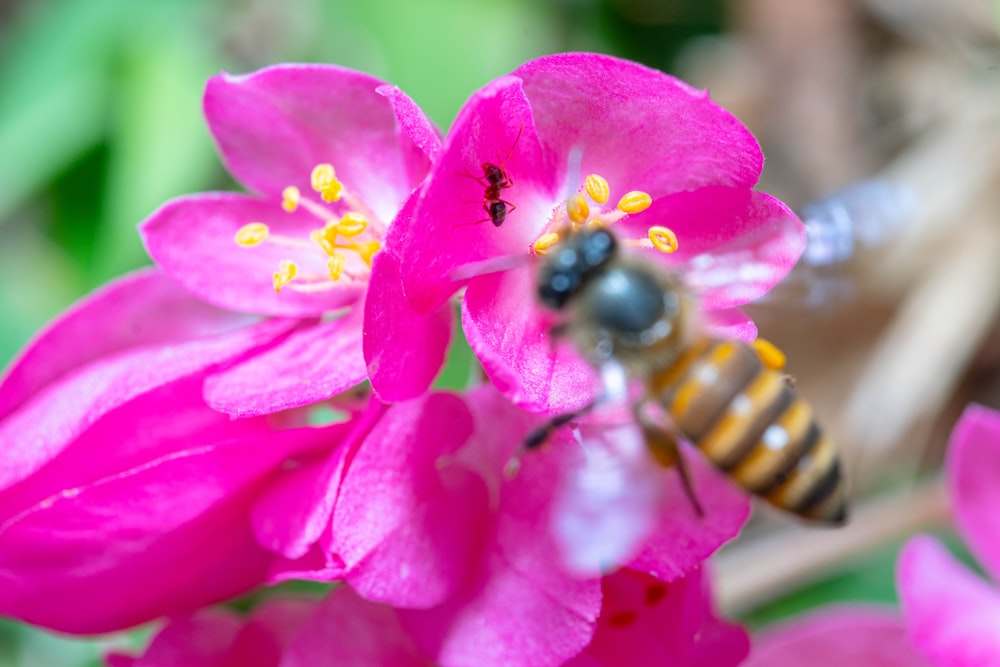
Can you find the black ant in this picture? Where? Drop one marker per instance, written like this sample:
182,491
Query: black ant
495,180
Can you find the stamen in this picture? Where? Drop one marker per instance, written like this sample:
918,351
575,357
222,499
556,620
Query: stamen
290,198
324,181
287,270
352,224
663,239
597,188
544,242
635,201
251,234
578,209
769,354
366,250
335,265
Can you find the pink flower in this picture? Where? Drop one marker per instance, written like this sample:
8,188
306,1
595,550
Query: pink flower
331,155
952,615
426,521
837,636
563,125
218,638
119,485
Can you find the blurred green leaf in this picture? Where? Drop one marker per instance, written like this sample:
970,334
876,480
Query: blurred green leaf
53,86
159,146
461,368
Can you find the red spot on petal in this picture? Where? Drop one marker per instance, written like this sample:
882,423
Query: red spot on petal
655,593
621,619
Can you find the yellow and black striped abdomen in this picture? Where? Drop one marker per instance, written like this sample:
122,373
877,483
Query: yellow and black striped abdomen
753,426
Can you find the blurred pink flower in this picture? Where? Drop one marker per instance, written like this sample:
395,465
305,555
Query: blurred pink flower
331,156
679,160
426,521
953,615
220,638
119,486
837,636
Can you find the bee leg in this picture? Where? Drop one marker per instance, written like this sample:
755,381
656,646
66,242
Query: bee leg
664,446
540,435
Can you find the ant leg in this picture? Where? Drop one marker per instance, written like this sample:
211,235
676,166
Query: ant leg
541,434
664,446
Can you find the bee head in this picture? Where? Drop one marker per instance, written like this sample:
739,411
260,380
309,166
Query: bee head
572,262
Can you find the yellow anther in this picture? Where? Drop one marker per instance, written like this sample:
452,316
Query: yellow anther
769,355
578,209
634,202
290,198
544,242
287,270
251,234
352,224
335,265
663,239
324,181
366,250
326,237
597,188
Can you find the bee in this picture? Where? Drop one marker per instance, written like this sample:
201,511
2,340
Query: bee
718,394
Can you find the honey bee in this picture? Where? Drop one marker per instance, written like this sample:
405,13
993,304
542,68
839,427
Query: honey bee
743,415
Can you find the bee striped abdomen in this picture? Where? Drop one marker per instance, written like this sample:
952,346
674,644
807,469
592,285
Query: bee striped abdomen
751,424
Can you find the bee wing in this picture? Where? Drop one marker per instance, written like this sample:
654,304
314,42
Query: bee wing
607,501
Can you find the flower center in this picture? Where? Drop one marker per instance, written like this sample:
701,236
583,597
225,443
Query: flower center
576,212
347,241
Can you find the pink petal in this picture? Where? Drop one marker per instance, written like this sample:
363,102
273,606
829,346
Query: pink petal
274,125
348,631
290,517
409,519
191,238
55,416
404,350
682,539
735,244
838,636
647,622
219,638
953,616
637,127
142,308
117,542
449,227
730,323
973,469
506,618
522,606
310,365
416,126
510,336
202,640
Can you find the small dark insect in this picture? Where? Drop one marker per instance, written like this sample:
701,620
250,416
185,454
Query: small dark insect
495,180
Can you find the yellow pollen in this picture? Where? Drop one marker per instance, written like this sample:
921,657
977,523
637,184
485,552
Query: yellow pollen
324,181
352,224
597,188
635,201
578,209
287,270
663,239
366,250
251,234
290,198
544,242
335,265
326,237
769,354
